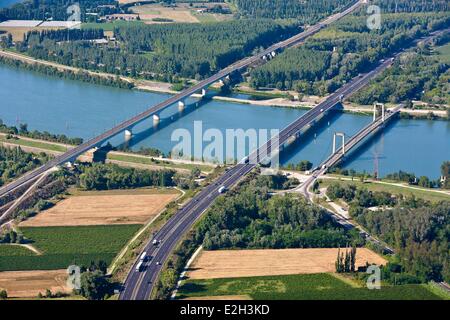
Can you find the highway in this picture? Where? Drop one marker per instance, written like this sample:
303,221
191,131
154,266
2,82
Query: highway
139,285
72,154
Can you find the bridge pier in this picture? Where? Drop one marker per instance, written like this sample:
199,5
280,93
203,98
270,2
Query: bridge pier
375,111
181,105
156,119
339,134
128,134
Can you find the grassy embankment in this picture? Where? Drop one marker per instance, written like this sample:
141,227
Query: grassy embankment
123,157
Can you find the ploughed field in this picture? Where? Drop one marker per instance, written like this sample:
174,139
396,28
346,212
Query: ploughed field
104,208
26,284
249,263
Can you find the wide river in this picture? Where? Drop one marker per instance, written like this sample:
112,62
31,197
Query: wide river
83,110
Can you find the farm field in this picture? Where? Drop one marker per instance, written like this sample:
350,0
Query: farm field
182,13
322,286
64,246
249,263
444,53
27,284
104,208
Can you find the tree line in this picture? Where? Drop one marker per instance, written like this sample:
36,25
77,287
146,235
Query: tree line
165,52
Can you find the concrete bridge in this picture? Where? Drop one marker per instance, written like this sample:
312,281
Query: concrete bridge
154,112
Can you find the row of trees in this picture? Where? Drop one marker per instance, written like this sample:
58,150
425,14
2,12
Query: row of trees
110,176
343,51
346,262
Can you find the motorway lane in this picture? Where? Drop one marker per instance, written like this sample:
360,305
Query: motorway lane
97,141
173,230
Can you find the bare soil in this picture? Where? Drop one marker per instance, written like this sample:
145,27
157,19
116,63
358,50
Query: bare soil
103,208
27,284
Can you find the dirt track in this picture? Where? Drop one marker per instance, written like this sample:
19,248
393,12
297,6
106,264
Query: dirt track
248,263
102,209
27,284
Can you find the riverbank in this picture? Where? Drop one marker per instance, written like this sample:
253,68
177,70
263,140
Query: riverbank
276,101
117,157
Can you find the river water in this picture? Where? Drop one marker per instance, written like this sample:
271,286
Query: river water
83,110
7,3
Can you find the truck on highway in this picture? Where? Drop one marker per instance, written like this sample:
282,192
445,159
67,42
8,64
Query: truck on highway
139,266
222,189
143,256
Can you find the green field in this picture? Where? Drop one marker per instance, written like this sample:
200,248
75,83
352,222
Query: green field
63,246
444,53
34,144
301,287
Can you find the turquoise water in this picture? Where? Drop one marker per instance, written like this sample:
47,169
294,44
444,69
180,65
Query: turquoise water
7,3
84,110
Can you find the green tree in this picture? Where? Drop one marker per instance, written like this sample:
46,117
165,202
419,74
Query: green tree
3,295
94,285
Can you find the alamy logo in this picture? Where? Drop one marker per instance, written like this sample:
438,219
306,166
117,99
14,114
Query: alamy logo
74,277
374,19
213,145
74,12
374,280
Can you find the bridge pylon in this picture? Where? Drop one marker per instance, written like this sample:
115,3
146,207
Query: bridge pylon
342,135
376,106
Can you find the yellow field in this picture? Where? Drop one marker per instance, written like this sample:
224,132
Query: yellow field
148,12
250,263
27,284
104,208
